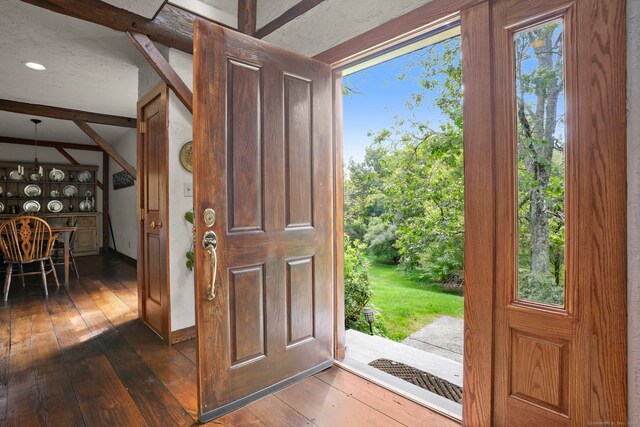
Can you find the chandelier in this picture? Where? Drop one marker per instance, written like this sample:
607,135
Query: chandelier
36,169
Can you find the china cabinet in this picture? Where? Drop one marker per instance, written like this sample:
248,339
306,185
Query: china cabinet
58,193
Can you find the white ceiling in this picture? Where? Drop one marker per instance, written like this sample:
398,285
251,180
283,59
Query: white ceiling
93,68
335,21
89,68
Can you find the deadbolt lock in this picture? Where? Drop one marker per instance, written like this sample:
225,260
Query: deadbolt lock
209,216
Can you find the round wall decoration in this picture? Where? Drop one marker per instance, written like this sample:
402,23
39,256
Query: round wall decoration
186,156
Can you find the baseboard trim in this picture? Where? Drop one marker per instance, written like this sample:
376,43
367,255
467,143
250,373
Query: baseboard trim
229,407
131,261
182,334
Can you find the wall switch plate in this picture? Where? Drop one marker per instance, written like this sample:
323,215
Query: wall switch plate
188,189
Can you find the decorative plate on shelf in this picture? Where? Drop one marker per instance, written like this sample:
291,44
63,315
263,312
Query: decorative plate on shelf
36,177
69,191
31,206
56,175
32,190
15,175
186,156
54,206
1,207
0,190
84,176
54,193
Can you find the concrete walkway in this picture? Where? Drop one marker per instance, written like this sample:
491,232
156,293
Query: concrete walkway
444,337
366,348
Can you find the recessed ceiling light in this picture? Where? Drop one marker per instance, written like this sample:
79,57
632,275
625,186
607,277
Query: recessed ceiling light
35,66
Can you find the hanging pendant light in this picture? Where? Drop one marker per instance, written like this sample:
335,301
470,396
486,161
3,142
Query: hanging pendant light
37,169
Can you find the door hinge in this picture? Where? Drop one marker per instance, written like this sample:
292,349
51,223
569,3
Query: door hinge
143,127
141,214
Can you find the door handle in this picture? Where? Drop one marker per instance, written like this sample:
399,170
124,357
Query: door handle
210,244
155,225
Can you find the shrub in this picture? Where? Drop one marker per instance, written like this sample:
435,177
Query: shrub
539,288
381,239
357,288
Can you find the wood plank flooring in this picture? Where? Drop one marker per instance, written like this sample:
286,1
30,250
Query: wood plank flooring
81,357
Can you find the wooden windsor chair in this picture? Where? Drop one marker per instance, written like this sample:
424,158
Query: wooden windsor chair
26,240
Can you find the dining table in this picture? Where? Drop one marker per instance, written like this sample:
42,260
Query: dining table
64,234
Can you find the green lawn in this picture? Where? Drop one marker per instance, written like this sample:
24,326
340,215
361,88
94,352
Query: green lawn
405,304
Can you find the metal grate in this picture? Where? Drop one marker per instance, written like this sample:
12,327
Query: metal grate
420,378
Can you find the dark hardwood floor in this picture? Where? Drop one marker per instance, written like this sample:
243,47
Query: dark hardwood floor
81,357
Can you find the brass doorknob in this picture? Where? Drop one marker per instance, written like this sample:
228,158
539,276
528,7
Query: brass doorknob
155,225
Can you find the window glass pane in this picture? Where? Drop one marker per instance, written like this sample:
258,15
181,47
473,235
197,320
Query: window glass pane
539,71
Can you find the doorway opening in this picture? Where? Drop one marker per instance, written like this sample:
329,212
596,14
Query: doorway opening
404,217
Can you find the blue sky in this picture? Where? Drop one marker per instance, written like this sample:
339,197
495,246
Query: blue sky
383,97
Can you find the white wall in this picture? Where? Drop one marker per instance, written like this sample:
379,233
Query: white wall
122,202
633,206
180,131
24,153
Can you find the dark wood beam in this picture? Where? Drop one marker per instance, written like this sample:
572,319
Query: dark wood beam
51,144
65,113
172,26
166,72
289,15
105,202
106,147
67,156
247,16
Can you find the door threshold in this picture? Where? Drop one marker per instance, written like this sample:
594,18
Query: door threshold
229,407
434,402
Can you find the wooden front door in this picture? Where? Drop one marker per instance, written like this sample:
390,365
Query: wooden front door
153,292
263,163
559,321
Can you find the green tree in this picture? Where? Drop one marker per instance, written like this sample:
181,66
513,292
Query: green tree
539,86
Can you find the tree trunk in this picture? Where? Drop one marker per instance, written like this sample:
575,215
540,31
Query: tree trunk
541,146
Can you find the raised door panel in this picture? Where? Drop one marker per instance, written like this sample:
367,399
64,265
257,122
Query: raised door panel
540,371
298,113
245,171
300,310
247,314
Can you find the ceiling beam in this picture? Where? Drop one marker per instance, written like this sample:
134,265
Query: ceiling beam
247,16
106,147
67,156
289,15
65,113
74,162
51,144
162,67
172,26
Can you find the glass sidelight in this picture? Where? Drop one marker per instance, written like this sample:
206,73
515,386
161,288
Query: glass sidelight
541,138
